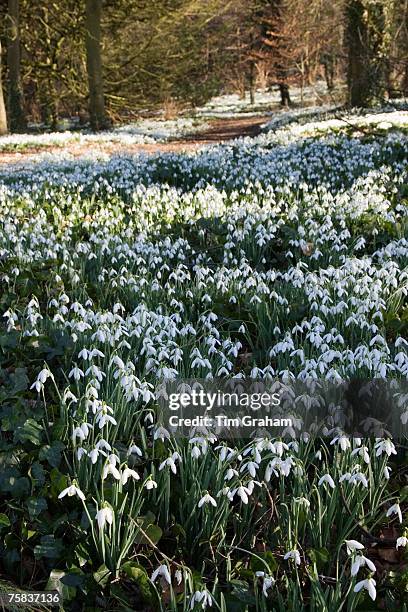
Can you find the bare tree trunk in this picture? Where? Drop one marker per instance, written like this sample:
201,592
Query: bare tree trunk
405,80
15,95
252,82
3,116
365,41
284,93
97,112
357,40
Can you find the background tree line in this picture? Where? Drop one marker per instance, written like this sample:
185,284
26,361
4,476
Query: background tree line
102,60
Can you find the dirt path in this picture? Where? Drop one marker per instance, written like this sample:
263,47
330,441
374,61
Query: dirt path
219,130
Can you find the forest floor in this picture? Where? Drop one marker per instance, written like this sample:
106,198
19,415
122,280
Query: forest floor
217,130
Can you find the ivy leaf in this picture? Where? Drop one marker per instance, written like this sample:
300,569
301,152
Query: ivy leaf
37,474
49,547
240,590
55,583
101,576
258,566
138,574
319,556
4,521
35,506
149,532
31,431
52,453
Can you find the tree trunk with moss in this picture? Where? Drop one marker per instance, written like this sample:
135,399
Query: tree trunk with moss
3,116
15,94
97,113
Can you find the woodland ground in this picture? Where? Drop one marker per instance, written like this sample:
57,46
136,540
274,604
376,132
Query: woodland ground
218,130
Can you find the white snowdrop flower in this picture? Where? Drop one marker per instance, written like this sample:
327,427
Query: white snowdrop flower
76,373
207,499
113,459
195,452
327,479
402,541
161,572
361,561
251,467
178,575
353,545
385,446
170,462
387,472
43,375
81,452
242,493
150,484
86,427
78,433
129,473
83,354
109,468
103,516
318,455
342,441
68,396
230,473
202,597
226,453
362,452
104,419
103,444
358,478
71,491
271,469
395,509
280,447
267,582
293,555
369,585
161,434
94,454
38,386
134,450
404,417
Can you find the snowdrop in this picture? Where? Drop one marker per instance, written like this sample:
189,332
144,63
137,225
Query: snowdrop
109,468
207,499
71,491
76,373
361,561
267,582
150,484
201,597
293,555
104,516
327,479
369,585
171,462
401,541
128,473
161,572
395,509
353,545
